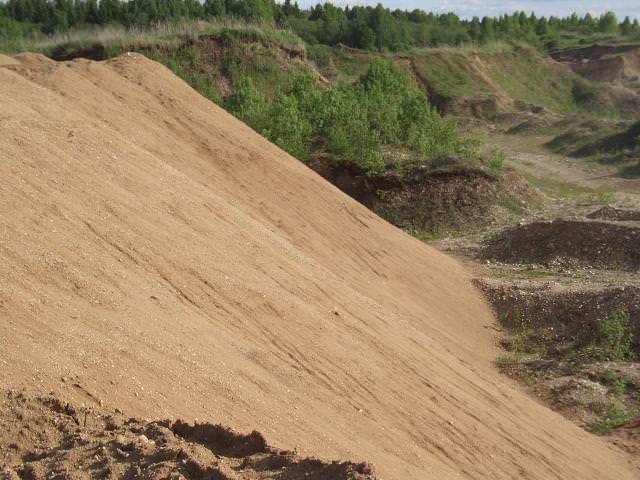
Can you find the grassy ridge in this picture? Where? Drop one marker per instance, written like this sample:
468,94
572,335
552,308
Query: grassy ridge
526,75
116,38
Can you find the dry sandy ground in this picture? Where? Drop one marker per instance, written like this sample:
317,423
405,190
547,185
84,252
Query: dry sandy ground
158,256
90,443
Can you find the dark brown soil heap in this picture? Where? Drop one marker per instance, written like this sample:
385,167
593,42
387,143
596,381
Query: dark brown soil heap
560,317
576,243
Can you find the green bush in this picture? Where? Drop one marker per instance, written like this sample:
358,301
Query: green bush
384,111
12,35
288,127
614,338
248,104
615,416
616,384
496,159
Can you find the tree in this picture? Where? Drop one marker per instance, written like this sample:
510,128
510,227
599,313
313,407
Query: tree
626,27
248,104
288,127
543,27
608,23
588,23
488,30
214,8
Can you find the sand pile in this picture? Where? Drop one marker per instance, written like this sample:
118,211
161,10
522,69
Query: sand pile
159,257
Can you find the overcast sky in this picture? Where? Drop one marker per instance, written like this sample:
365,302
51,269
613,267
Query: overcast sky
469,8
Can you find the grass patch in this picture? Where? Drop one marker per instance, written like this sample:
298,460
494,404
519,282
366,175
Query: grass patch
578,39
556,188
428,235
524,75
617,385
446,72
616,416
605,197
523,341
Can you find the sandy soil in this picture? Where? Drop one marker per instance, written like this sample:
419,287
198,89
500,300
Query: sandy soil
159,257
53,439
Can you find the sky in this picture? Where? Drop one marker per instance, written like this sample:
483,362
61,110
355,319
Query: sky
470,8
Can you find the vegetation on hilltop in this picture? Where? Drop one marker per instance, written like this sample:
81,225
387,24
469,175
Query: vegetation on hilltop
382,120
364,27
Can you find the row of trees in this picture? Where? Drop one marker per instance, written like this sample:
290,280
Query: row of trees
61,15
378,27
359,26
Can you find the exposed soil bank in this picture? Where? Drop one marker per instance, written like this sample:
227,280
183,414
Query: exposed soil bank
433,201
603,63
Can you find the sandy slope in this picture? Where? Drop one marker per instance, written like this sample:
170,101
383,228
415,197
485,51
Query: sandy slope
158,256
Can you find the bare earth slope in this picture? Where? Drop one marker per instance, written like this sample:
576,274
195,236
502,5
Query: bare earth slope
158,256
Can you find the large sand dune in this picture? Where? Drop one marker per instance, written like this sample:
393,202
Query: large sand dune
158,256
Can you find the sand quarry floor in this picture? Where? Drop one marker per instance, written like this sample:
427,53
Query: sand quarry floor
160,259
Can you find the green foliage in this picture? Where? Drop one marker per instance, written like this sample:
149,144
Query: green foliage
616,384
382,112
583,91
496,160
289,127
614,337
344,124
524,75
248,104
13,34
616,416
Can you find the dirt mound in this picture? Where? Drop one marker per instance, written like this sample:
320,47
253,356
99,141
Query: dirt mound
608,142
615,214
160,257
45,438
482,105
596,244
5,60
625,140
558,343
450,201
32,60
431,201
530,125
591,52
